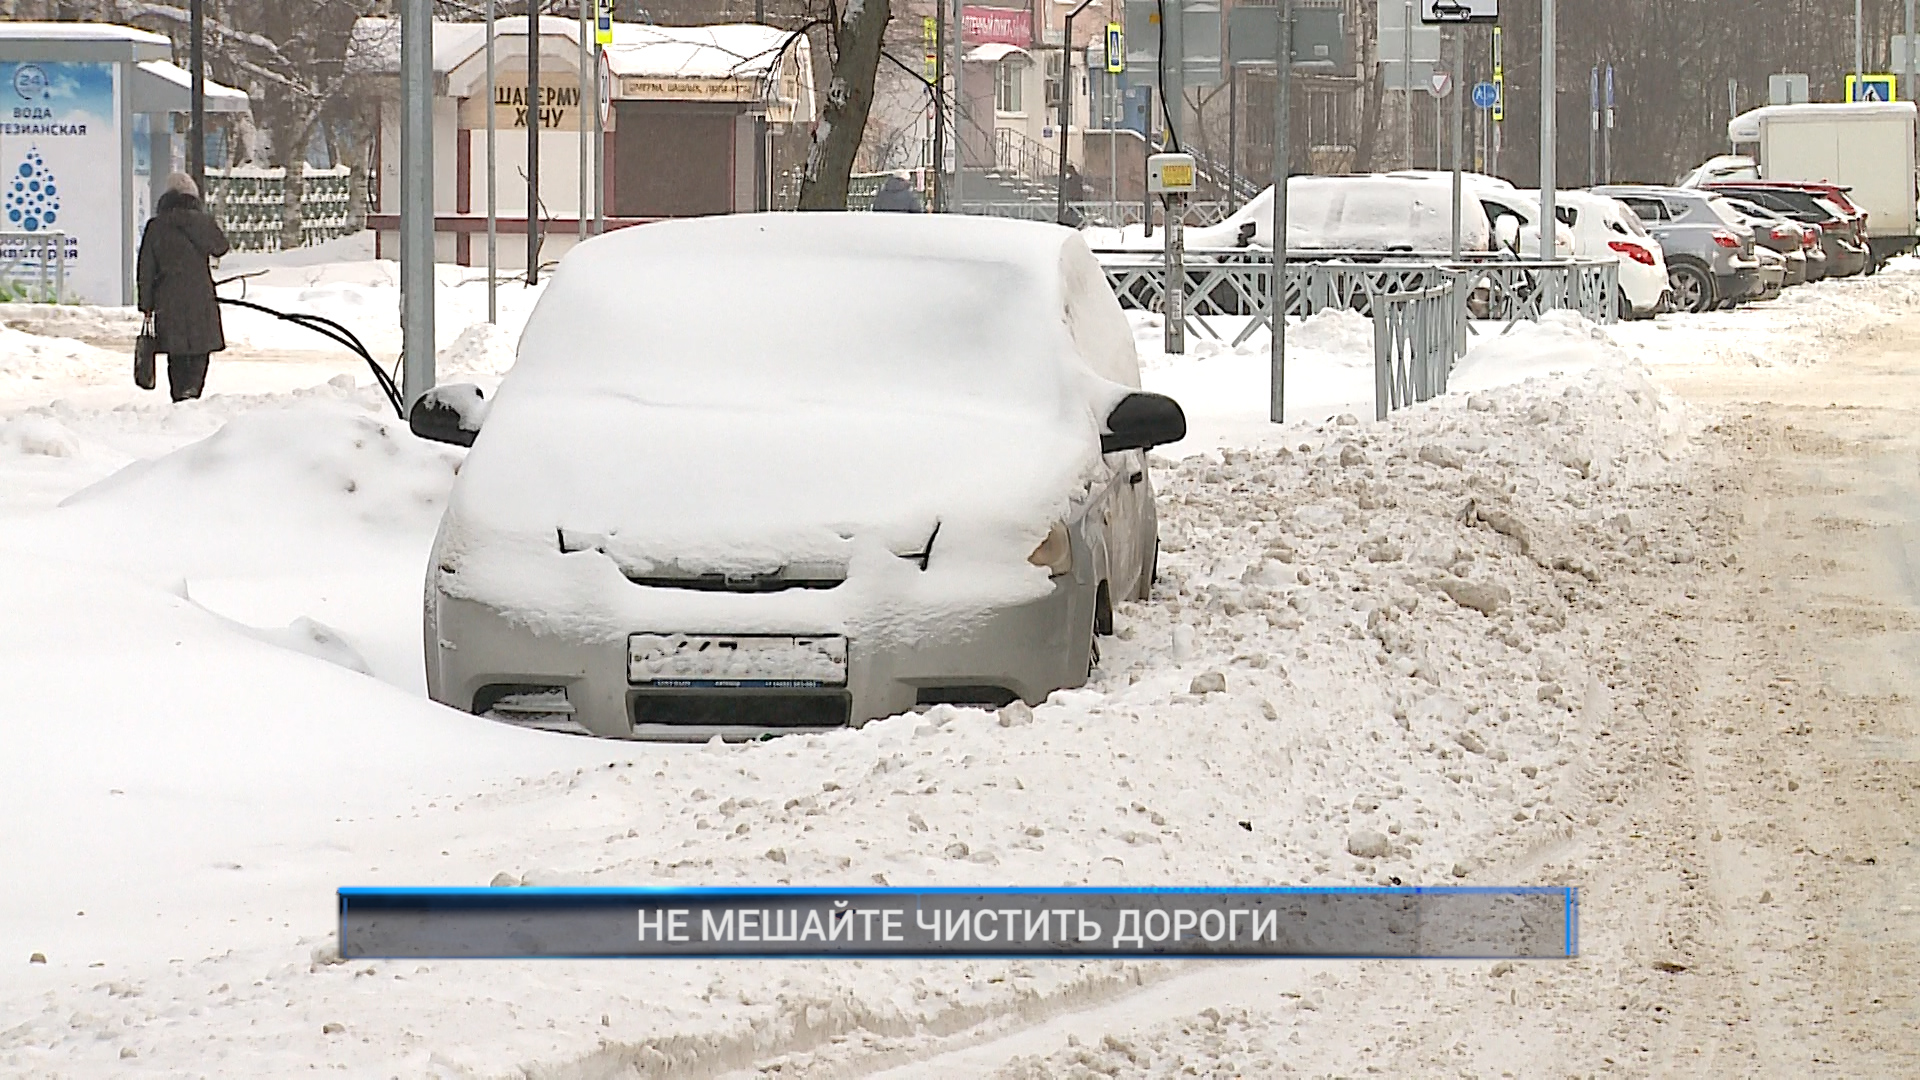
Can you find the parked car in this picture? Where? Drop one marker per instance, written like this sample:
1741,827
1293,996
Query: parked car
1774,232
1843,232
1604,228
1773,274
1386,214
1723,167
1710,253
709,501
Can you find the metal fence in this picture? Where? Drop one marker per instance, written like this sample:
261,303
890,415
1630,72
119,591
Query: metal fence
33,267
251,205
1416,339
1238,282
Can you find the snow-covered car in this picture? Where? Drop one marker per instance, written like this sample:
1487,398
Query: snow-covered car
1362,214
785,472
1605,228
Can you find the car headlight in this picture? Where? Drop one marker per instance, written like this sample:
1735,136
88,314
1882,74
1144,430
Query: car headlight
1055,552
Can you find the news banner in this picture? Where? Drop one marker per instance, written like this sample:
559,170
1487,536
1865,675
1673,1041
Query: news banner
902,923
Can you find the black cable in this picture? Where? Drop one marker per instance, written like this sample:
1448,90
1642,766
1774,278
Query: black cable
338,334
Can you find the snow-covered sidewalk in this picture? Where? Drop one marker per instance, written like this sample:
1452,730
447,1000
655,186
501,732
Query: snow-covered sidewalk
211,716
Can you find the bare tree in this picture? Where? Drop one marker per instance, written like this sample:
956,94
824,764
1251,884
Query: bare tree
856,38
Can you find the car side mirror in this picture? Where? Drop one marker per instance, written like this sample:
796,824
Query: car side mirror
1142,421
1507,231
449,414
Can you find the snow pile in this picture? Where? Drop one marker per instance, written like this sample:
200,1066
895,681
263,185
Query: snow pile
1380,628
1332,330
275,483
29,360
42,435
483,349
82,321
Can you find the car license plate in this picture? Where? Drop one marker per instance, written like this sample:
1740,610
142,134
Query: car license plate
739,660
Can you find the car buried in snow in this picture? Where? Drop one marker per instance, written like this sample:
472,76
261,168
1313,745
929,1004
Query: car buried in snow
792,472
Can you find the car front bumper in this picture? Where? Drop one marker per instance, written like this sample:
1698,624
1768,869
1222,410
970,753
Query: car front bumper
1023,651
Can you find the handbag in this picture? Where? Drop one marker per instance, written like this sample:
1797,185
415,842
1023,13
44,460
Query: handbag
144,348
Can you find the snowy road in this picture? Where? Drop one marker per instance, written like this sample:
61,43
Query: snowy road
1562,629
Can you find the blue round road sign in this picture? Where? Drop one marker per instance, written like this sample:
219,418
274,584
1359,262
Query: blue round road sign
1485,95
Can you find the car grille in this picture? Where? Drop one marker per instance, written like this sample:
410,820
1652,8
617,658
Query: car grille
736,583
740,708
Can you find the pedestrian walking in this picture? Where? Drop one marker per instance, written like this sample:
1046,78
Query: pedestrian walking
897,195
175,285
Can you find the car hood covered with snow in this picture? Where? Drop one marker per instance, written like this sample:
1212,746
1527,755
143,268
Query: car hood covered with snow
904,407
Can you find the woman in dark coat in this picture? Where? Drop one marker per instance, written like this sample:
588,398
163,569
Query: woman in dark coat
175,284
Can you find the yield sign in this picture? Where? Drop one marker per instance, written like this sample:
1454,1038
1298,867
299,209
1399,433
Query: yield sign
1440,84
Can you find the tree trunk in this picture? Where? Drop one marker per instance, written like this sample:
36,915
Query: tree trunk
843,117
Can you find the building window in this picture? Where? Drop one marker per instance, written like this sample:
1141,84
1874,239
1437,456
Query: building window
1008,75
1053,82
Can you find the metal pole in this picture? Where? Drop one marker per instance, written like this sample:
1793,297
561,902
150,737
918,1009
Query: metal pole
493,179
1593,130
1908,84
1173,72
1459,129
1066,109
1606,130
1233,138
583,59
532,115
1406,84
959,27
601,104
416,198
1146,151
1859,46
1549,100
760,129
1277,287
1175,265
197,133
1438,127
942,100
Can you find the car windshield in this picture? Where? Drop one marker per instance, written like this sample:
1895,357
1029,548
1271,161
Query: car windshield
918,327
1831,209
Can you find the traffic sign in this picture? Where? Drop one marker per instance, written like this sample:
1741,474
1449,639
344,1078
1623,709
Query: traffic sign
1870,88
1116,49
1459,11
1485,95
1440,84
603,22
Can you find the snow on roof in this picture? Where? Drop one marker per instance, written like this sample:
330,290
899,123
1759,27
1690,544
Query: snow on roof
732,50
80,31
175,82
1746,127
993,52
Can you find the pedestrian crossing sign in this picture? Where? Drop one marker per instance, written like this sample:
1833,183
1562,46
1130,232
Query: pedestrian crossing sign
1870,88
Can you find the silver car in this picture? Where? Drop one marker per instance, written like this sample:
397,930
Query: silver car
792,472
1710,251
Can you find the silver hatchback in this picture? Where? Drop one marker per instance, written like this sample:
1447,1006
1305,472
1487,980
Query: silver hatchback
1710,252
791,472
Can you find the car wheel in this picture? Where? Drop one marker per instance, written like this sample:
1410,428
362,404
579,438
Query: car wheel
1625,306
1692,289
1103,612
